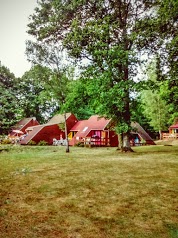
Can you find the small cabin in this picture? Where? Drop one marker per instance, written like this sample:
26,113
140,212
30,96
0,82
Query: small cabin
173,129
98,131
53,129
93,132
18,131
139,136
173,133
23,124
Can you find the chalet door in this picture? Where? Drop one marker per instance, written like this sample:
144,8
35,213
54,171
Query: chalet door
98,137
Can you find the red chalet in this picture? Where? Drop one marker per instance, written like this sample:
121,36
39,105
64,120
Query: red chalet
173,133
52,129
95,131
173,129
98,131
22,125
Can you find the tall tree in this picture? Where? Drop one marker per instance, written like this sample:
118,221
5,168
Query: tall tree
50,55
164,35
9,111
109,34
154,106
33,97
78,99
168,26
169,93
155,110
112,35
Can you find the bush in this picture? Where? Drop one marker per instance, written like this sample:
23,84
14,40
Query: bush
42,143
31,142
79,144
6,141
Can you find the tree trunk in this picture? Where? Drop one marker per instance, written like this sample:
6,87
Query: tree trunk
120,142
126,143
126,147
160,134
66,135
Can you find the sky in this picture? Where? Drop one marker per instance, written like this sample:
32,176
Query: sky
14,16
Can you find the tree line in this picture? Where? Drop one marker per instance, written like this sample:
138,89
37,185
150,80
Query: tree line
114,58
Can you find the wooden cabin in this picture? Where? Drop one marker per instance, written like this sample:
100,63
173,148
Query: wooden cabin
93,132
173,129
173,133
98,131
23,124
139,136
53,129
19,130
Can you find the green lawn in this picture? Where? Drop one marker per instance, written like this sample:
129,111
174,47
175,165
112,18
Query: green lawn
88,193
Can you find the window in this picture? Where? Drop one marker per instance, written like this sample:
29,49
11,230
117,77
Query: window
85,128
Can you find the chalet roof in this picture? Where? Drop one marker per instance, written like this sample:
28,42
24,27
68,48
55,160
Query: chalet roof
144,135
175,126
59,118
79,125
32,133
93,123
98,123
30,128
23,122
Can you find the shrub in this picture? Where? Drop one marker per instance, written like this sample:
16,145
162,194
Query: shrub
42,142
79,144
31,142
6,141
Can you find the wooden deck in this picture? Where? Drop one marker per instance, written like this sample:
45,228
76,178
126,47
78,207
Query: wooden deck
95,142
90,142
168,136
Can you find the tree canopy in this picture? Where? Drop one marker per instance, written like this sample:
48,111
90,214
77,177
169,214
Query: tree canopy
8,100
51,56
34,98
111,35
108,34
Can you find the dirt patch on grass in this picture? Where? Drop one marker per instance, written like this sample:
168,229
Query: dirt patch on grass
167,142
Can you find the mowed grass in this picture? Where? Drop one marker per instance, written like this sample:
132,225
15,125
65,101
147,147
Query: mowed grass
88,193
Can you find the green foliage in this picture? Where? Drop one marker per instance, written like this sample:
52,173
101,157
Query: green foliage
168,30
6,141
50,55
155,108
9,111
33,95
102,37
31,142
79,144
42,143
56,74
169,93
164,38
168,22
78,100
138,115
110,35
